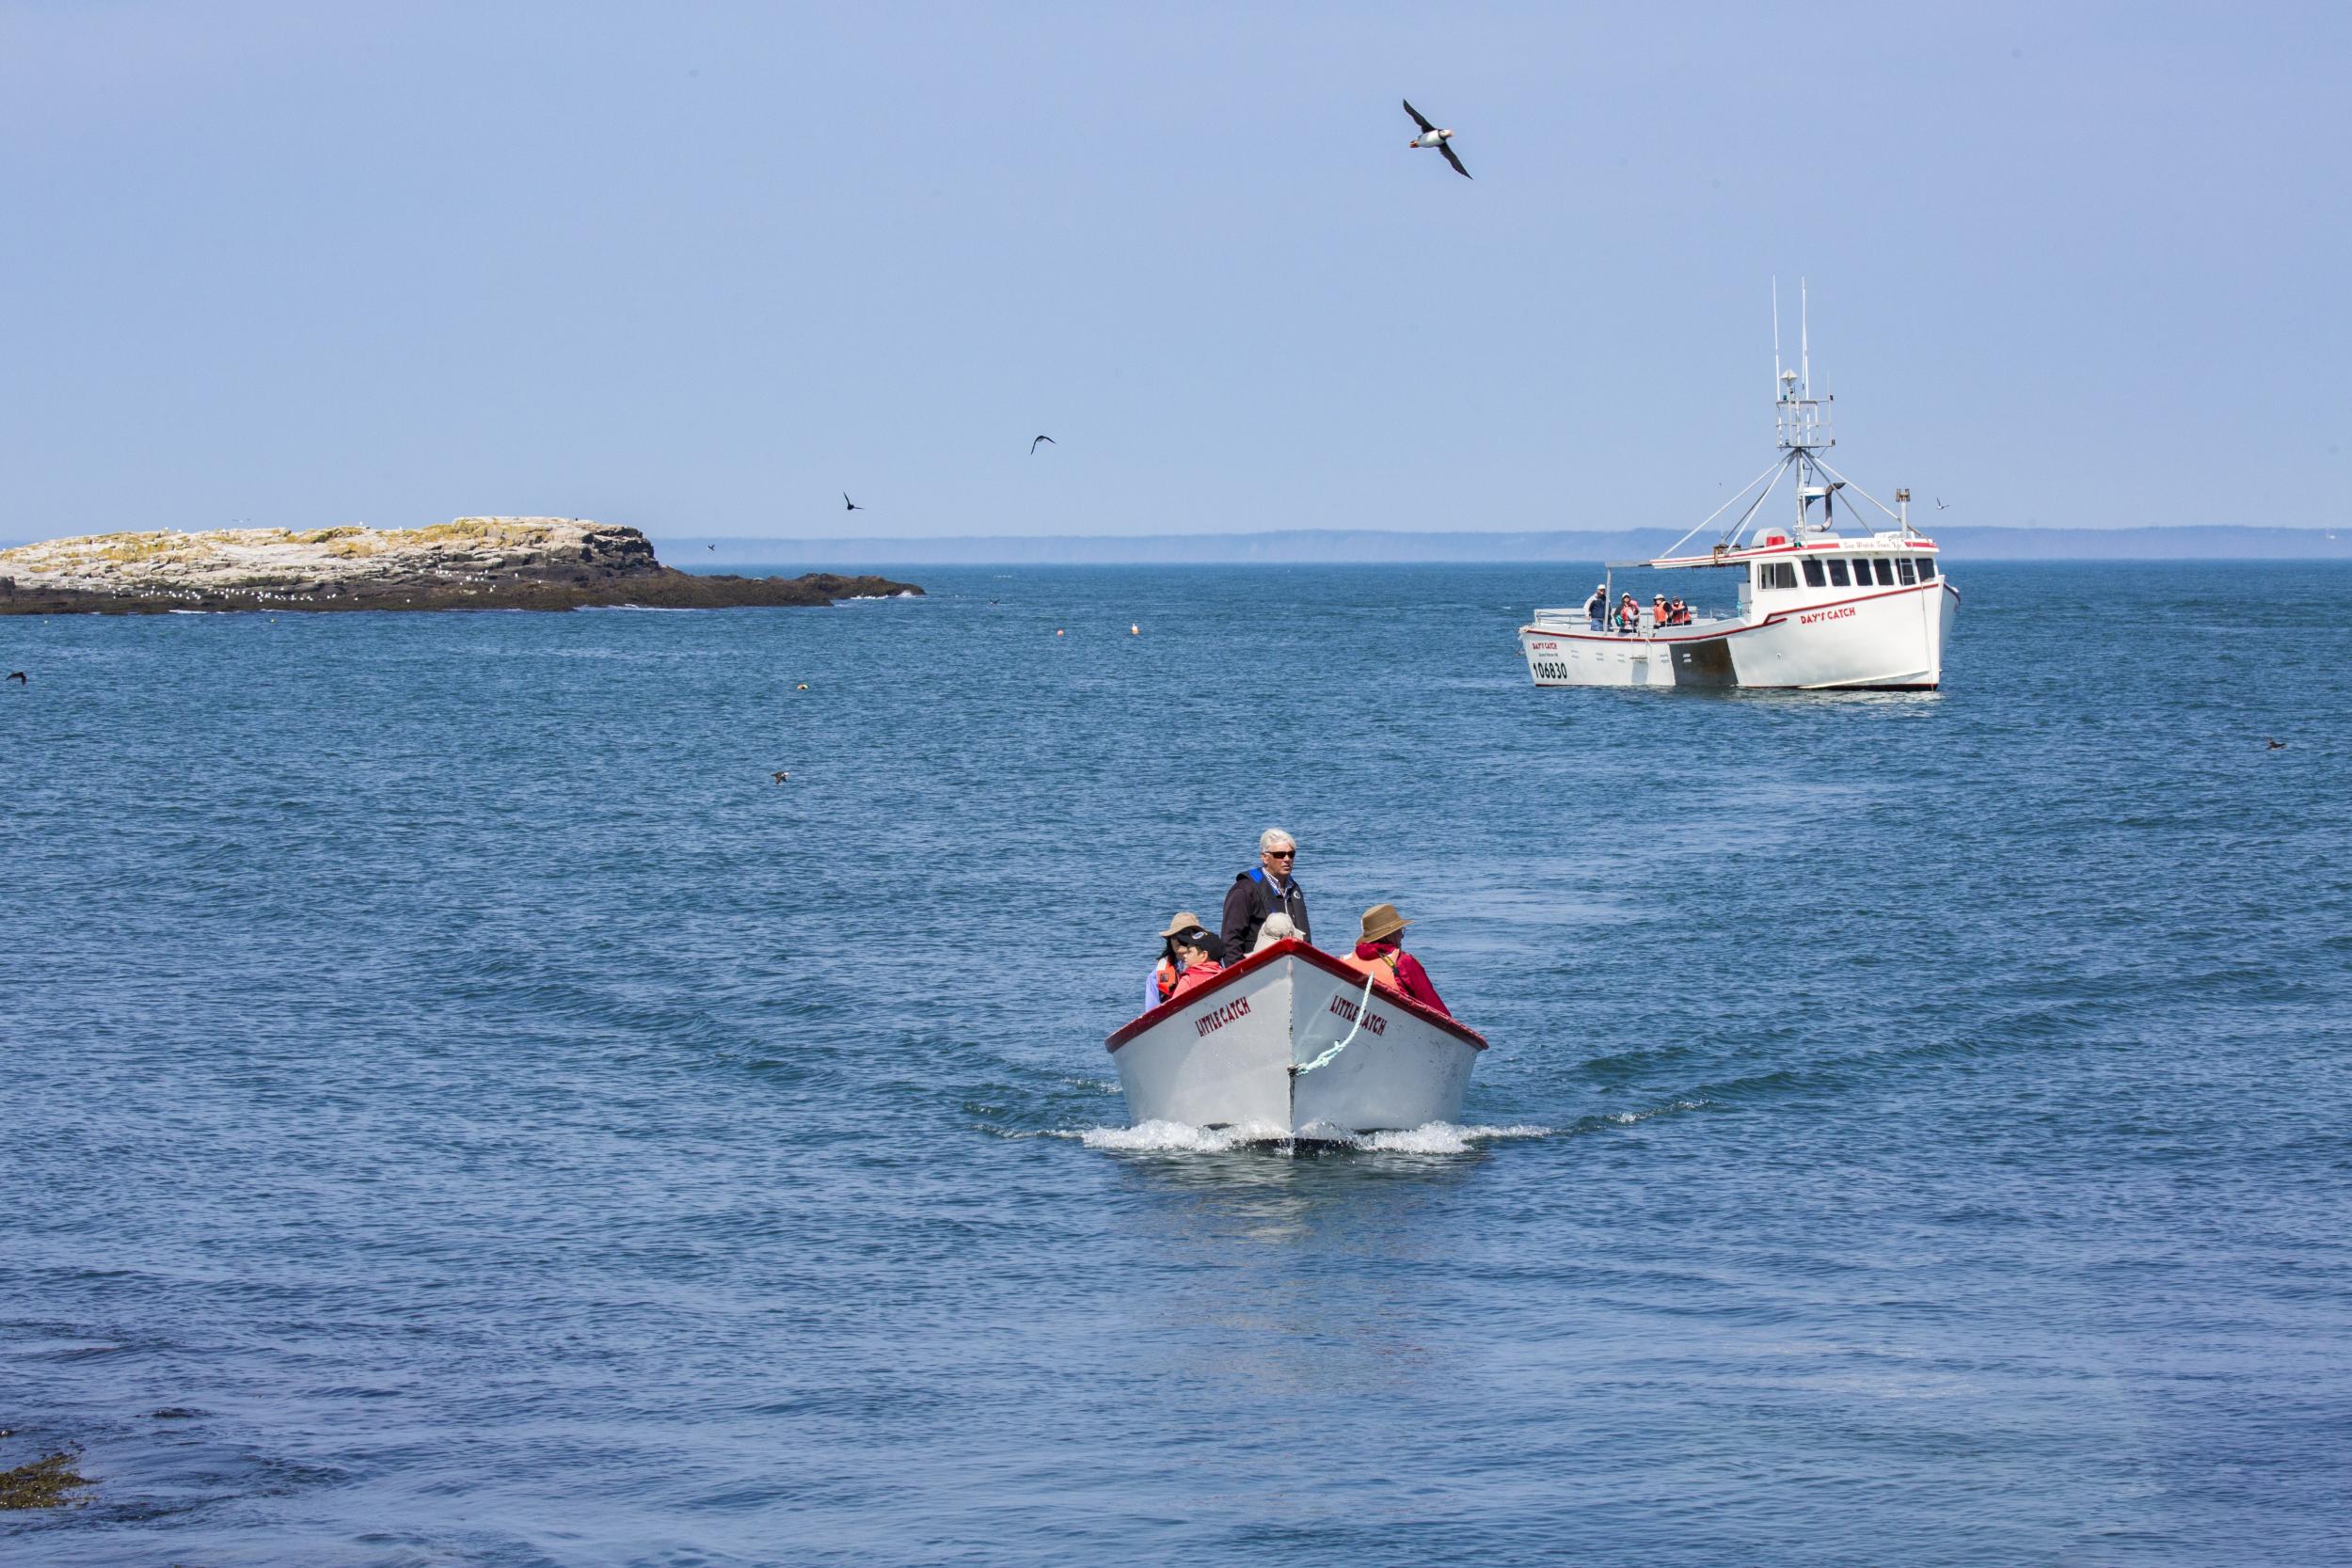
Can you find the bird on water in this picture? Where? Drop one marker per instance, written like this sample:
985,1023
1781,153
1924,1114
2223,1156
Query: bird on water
1432,137
2275,744
1047,439
781,777
851,504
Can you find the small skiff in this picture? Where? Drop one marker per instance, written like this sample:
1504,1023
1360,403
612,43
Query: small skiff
1292,1044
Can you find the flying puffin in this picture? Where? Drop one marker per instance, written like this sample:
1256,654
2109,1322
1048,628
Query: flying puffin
1432,137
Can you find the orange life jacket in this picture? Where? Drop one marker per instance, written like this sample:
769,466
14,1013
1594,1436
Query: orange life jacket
1165,976
1382,969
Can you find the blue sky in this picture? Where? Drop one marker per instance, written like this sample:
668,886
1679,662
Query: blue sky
701,268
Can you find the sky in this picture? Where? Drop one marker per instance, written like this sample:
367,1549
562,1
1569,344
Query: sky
701,268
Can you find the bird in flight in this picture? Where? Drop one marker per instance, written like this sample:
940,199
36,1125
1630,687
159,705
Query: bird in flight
851,504
20,677
2277,746
1939,504
1047,439
710,546
1432,137
781,777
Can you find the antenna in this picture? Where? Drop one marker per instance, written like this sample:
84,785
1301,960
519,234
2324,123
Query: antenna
1776,336
1805,340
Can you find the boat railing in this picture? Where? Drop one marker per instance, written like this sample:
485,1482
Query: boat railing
1578,620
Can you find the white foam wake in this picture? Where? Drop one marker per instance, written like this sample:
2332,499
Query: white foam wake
1174,1137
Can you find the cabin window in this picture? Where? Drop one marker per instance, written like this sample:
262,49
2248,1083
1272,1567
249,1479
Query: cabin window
1812,572
1927,568
1903,570
1886,572
1837,574
1776,573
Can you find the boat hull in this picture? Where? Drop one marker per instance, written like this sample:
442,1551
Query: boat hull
1888,640
1241,1053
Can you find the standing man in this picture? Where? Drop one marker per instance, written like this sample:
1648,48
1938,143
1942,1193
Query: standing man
1264,889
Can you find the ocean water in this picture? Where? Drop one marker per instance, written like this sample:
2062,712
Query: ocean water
459,1110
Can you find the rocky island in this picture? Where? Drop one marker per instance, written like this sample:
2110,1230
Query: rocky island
471,563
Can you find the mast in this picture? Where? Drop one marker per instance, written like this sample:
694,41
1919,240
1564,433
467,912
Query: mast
1775,336
1800,421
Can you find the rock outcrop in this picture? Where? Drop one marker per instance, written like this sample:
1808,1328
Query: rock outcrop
471,563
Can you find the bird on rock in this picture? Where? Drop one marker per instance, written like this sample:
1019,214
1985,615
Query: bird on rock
1432,137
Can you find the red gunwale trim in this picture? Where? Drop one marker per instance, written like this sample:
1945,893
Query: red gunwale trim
1315,958
1772,620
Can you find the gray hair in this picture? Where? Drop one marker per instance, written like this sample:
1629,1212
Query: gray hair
1276,928
1275,838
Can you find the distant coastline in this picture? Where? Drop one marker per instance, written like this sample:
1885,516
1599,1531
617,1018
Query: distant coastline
1325,547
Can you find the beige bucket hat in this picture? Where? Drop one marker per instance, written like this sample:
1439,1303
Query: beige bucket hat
1185,920
1382,920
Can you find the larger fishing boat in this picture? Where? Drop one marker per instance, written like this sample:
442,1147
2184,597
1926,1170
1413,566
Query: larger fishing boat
1816,609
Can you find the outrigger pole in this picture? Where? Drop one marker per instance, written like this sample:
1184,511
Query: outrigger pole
1773,470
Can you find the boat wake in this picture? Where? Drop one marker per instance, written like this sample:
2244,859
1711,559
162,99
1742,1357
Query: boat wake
1174,1137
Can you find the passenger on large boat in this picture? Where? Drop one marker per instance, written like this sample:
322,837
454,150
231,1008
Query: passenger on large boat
1277,927
1628,614
1264,889
1378,956
1657,616
1161,985
1598,606
1202,953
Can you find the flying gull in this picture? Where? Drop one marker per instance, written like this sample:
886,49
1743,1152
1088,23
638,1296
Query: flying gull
851,504
1047,439
1432,137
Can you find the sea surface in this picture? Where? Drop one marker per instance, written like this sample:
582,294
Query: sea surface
457,1109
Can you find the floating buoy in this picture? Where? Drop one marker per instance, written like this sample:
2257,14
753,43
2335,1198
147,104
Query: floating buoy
1057,632
1135,631
802,686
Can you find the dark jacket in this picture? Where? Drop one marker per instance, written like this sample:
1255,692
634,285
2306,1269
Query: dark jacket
1247,903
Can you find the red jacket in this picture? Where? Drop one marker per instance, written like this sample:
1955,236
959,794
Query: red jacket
1194,976
1410,977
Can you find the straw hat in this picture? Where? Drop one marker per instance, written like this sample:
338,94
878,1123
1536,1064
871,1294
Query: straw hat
1185,920
1380,921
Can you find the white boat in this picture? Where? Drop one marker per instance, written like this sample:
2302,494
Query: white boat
1816,609
1292,1045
